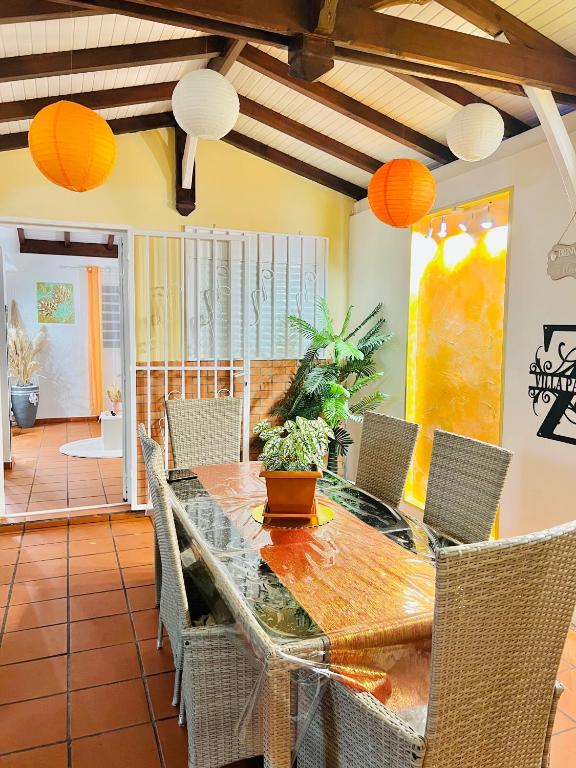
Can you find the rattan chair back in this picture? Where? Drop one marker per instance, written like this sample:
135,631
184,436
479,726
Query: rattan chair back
464,486
501,617
173,602
205,431
386,449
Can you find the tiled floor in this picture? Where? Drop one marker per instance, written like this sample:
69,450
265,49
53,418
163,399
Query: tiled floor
43,478
81,681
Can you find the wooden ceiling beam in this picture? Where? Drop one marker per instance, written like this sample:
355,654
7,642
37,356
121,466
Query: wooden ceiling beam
494,20
228,57
112,57
290,163
62,248
106,99
18,11
122,125
364,30
307,135
454,96
184,19
413,41
345,105
438,74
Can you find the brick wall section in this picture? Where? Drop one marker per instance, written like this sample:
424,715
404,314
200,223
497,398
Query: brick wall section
269,380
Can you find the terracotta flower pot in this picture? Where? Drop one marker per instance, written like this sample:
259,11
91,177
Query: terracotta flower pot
290,493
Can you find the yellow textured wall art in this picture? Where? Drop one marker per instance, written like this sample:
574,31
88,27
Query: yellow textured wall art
456,327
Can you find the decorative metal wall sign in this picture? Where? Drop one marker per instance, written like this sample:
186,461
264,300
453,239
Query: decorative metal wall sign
562,261
555,384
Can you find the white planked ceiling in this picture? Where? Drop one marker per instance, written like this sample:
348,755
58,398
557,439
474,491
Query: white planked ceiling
376,88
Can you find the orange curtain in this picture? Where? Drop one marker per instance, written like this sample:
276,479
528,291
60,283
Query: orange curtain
94,340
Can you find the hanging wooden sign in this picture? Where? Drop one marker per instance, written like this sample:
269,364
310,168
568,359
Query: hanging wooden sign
562,261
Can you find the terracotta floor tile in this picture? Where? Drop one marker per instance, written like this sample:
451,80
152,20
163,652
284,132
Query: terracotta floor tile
563,749
8,556
33,644
52,496
91,563
4,592
33,679
145,624
568,699
130,748
48,717
563,723
98,604
40,614
130,527
135,541
6,574
92,531
142,598
84,490
104,665
108,707
131,558
43,552
91,546
10,540
569,654
42,506
161,689
90,501
44,569
98,581
174,743
35,591
98,633
55,756
41,536
156,660
140,576
52,485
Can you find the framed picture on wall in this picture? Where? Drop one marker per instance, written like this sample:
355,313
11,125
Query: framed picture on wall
55,302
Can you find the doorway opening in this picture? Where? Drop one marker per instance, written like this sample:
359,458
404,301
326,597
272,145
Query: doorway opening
62,378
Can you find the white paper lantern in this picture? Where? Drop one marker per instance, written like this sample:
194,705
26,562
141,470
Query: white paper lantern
205,104
475,132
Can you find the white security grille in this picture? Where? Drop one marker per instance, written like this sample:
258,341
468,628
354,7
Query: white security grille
287,276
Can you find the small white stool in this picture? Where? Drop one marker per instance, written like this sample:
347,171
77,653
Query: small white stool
111,427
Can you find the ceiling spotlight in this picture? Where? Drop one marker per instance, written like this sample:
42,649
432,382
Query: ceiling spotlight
443,230
463,226
487,222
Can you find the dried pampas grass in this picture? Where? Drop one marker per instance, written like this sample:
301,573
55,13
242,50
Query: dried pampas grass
23,351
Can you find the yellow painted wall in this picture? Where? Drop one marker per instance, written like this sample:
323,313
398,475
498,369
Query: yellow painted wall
234,190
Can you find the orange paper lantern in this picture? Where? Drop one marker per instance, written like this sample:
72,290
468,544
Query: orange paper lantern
72,146
401,192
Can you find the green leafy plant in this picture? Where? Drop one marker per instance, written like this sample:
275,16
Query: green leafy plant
296,446
337,365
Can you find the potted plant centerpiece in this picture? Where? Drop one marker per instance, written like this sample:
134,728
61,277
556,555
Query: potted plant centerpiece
292,458
23,364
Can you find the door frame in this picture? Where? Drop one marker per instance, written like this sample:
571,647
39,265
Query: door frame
124,233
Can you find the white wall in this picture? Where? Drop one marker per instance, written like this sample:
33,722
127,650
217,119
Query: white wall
64,382
379,270
540,487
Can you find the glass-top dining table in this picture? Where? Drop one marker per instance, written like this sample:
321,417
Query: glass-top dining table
352,599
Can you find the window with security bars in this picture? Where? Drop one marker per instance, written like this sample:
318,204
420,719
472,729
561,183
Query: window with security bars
110,296
287,276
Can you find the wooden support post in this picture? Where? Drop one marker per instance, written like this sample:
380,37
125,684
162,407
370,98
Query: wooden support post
310,56
185,198
188,159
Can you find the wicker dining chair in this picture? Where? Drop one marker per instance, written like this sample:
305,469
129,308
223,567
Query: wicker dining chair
501,618
386,450
464,486
220,674
205,431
